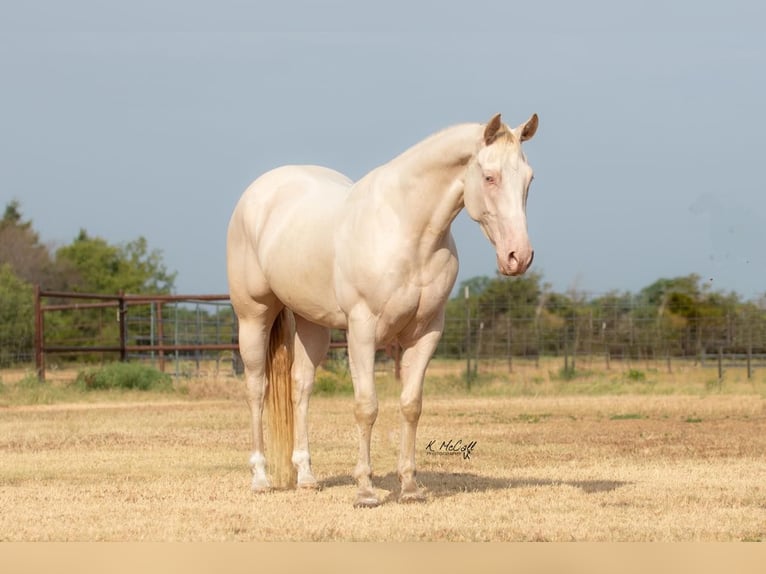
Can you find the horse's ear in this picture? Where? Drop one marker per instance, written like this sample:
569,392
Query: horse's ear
527,130
492,130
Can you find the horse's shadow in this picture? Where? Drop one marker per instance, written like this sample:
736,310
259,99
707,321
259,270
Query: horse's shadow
446,484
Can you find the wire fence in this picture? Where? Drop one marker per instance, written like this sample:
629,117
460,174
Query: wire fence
197,334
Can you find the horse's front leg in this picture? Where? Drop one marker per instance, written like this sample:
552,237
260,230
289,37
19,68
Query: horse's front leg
361,355
415,357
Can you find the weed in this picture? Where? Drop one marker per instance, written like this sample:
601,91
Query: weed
566,374
29,381
531,419
29,390
636,375
124,376
626,417
333,384
713,384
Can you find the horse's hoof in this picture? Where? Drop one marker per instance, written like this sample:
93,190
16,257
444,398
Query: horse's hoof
261,485
366,500
310,486
418,495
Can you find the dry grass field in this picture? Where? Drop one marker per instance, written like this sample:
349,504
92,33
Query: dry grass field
547,466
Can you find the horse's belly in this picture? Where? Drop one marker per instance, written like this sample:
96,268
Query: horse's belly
314,305
304,283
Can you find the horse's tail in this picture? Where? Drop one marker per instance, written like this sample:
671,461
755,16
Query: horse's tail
279,400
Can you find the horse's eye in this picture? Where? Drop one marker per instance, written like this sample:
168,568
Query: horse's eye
489,179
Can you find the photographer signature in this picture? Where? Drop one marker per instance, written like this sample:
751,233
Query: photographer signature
451,447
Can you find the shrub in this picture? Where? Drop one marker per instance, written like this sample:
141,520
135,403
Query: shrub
333,384
636,375
567,373
124,376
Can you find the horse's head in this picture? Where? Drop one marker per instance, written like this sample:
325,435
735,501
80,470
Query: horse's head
496,186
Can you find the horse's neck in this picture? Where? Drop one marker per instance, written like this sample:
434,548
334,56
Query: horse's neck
429,178
437,160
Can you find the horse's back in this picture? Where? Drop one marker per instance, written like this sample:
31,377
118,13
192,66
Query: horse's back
284,186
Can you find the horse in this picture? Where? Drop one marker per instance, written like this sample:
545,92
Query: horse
308,250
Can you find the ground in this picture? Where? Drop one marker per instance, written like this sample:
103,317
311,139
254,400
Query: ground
547,468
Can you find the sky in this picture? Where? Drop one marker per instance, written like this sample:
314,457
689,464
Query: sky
149,118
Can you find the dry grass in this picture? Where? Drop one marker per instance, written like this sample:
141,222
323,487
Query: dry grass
617,468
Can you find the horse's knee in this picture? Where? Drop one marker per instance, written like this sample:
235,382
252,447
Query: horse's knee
366,410
411,409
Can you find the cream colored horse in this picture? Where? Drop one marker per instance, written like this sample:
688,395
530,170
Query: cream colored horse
309,250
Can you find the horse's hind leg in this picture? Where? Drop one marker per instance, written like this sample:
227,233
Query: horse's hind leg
254,330
311,344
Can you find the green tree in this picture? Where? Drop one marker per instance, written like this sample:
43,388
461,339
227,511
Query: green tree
101,268
668,315
104,268
16,317
612,323
507,308
504,306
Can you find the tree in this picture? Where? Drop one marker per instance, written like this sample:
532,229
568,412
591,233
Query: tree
103,268
507,308
21,249
504,306
16,317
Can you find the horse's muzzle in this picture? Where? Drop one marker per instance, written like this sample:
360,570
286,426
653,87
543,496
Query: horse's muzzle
515,263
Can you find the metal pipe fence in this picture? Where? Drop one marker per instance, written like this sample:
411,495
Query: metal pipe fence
159,328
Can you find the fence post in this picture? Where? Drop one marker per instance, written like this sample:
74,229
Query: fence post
39,336
509,346
122,319
720,365
667,359
749,351
160,333
466,293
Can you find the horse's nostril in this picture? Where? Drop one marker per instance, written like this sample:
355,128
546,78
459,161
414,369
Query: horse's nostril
517,264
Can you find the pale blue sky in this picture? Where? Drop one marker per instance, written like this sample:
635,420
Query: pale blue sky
151,117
